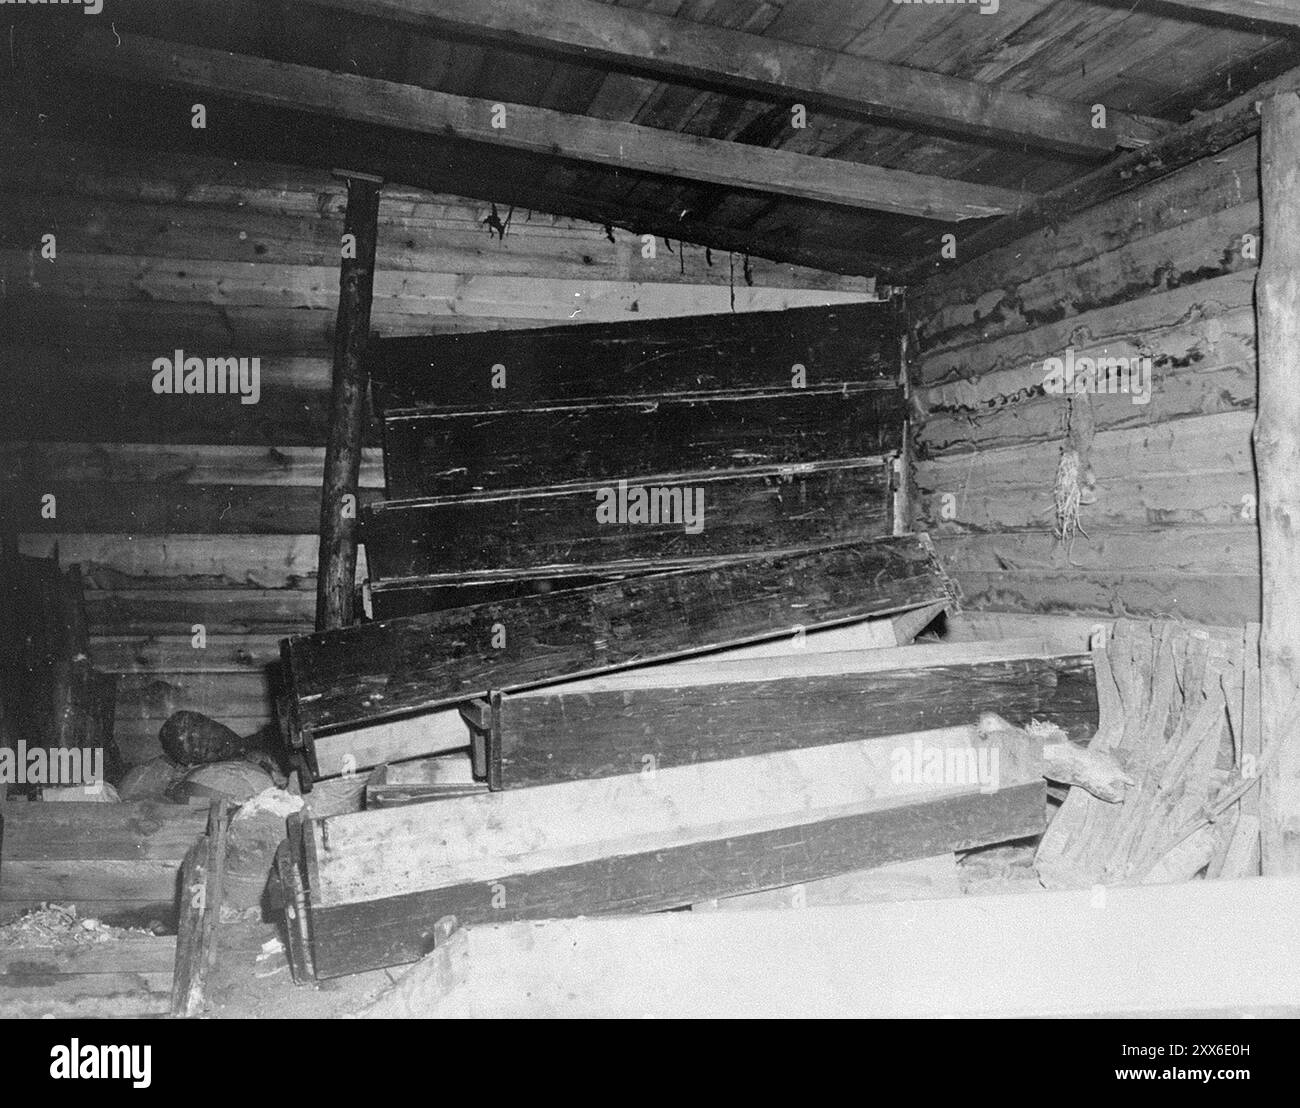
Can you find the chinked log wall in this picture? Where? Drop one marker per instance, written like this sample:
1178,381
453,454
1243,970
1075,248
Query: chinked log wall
199,510
1164,271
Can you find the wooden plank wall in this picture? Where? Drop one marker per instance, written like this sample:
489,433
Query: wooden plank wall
1164,271
199,510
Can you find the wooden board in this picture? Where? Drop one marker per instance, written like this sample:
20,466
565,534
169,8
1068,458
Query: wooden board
950,307
162,508
370,672
744,512
119,862
933,878
378,881
348,96
1185,472
1206,135
694,354
360,748
1146,951
175,611
432,453
202,887
675,48
687,713
168,466
422,736
422,781
272,215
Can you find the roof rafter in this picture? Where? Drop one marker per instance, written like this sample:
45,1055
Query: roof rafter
672,46
540,130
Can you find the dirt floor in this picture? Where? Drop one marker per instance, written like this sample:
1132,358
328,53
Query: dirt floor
252,981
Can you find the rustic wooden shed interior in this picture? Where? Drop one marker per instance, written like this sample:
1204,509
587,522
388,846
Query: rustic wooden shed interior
919,205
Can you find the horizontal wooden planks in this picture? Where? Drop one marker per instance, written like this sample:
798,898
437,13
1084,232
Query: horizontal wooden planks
1202,574
72,408
1161,271
1213,246
186,463
691,51
356,98
108,859
366,673
1220,599
155,696
161,508
423,735
284,226
1184,472
605,727
643,842
356,937
137,954
432,453
1137,243
691,354
194,561
730,514
184,653
1149,315
178,610
426,293
1200,340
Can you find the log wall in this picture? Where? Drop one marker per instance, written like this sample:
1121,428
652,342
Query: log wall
192,512
1164,271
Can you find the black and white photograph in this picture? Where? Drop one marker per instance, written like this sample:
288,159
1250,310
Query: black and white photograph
650,509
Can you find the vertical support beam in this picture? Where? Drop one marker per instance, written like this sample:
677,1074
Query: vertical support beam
1277,458
336,573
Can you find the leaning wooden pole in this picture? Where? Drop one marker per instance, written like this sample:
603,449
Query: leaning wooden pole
336,574
1277,459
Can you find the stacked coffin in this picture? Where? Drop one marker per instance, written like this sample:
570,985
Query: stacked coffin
663,706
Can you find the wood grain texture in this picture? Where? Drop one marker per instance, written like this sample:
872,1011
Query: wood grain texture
430,453
1277,451
585,138
730,826
366,673
693,354
785,71
559,735
352,938
163,508
119,862
156,464
1185,472
948,306
745,512
1205,136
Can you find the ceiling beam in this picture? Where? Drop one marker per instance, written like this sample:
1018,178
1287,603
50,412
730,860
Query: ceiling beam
673,47
1282,12
540,130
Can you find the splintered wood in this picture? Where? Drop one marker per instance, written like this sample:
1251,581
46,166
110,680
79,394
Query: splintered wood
1177,712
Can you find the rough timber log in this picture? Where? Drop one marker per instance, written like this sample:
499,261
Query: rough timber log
1277,450
336,578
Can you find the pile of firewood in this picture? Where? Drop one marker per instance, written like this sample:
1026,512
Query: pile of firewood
1179,712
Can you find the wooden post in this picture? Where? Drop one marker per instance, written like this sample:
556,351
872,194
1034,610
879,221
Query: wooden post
1277,458
336,575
